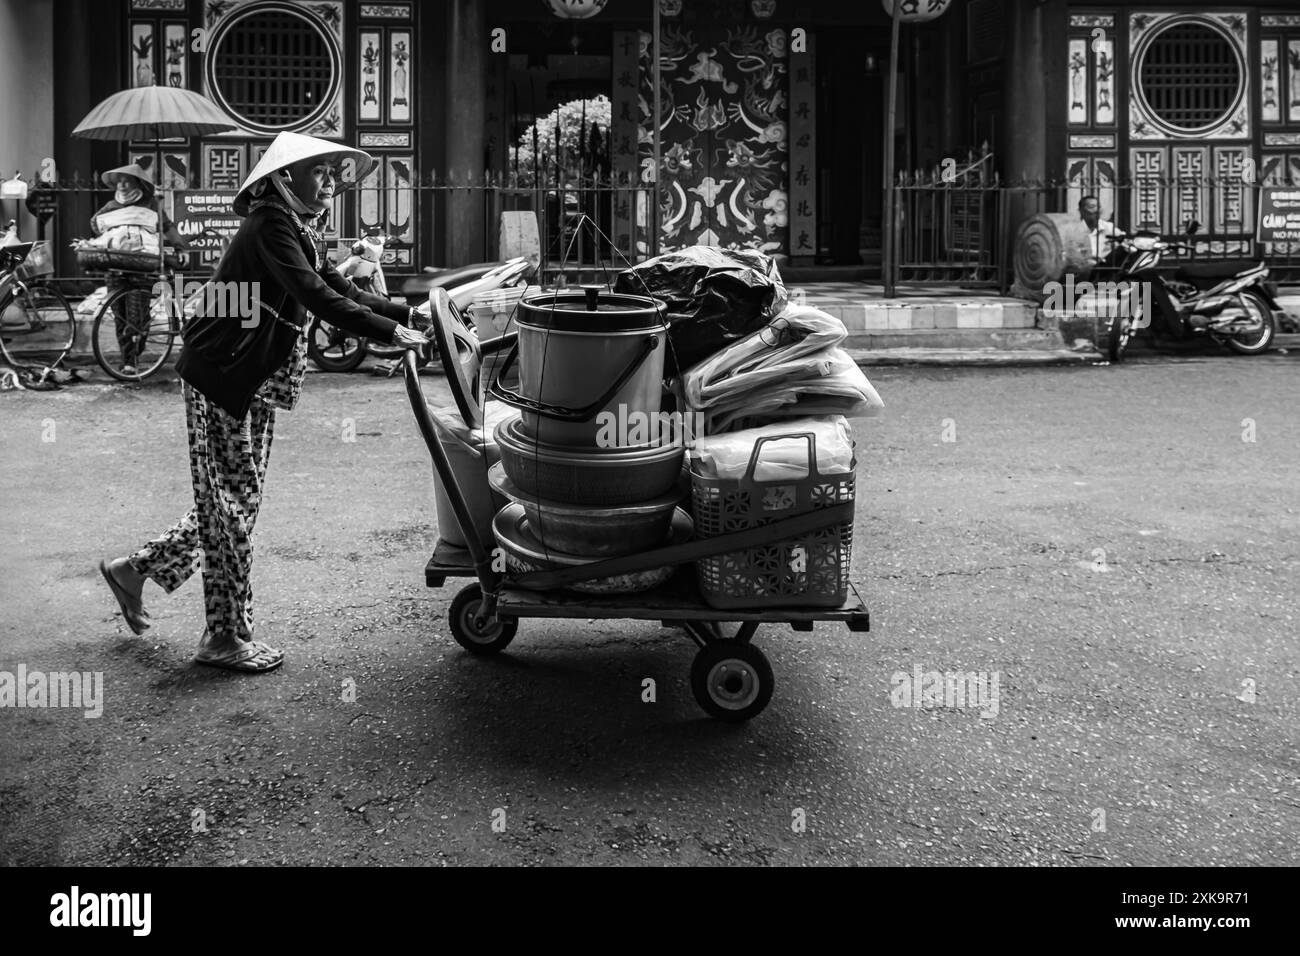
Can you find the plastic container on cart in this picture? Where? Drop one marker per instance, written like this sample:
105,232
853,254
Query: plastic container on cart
472,452
465,431
493,312
810,570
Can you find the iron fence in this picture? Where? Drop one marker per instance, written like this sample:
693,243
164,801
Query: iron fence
581,226
957,234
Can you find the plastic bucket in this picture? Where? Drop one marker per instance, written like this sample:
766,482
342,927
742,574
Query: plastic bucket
470,461
483,502
582,353
492,311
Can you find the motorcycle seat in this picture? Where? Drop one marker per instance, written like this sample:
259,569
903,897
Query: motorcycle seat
1217,271
445,278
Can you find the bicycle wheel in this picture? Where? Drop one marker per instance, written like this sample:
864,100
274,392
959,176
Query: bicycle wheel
134,331
45,321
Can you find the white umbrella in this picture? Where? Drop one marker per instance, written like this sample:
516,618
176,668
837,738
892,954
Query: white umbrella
153,113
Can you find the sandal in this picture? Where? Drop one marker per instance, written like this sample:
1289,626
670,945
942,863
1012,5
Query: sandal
267,649
251,658
133,611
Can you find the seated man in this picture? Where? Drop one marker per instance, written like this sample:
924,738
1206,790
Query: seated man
1104,252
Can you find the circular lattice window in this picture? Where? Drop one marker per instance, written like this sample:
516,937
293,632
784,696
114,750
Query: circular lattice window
273,68
1191,77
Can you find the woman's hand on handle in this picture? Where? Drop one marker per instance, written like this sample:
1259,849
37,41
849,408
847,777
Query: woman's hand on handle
409,338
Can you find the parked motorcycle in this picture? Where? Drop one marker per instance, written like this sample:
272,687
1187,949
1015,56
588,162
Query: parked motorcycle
334,350
1229,300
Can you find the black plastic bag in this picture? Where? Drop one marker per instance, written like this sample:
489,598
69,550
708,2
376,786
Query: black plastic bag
714,297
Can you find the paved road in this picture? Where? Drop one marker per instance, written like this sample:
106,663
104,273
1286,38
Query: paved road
1100,539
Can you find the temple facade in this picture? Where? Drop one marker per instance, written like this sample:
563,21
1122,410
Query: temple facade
771,121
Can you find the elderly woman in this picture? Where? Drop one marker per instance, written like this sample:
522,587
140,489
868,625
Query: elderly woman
236,374
133,213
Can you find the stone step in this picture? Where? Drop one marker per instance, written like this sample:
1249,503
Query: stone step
896,315
1005,339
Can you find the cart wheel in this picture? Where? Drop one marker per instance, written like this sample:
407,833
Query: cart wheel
731,680
490,639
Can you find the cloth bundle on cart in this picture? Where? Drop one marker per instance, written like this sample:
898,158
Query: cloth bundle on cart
791,368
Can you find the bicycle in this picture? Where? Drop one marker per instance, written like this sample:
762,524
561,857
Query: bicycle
31,305
141,318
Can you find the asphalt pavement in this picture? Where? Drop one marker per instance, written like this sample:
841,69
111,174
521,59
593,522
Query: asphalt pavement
1110,550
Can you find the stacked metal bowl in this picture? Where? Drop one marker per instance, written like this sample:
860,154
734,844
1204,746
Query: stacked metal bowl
578,494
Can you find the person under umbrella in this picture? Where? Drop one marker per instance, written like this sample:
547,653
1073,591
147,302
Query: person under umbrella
236,374
133,212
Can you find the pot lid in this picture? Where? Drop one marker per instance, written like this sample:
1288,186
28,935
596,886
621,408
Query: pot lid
592,309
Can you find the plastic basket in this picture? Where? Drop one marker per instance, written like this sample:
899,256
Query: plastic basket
810,570
39,262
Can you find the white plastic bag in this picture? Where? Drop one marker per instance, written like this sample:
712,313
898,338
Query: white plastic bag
784,458
451,424
791,368
763,357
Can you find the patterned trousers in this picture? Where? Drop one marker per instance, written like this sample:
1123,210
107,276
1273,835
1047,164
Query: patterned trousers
228,461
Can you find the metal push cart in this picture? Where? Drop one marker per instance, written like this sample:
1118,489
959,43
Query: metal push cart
731,678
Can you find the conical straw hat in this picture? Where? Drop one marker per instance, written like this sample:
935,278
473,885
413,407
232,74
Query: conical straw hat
132,169
289,148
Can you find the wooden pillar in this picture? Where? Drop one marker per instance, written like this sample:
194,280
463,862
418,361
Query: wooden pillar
431,120
954,132
1025,120
1056,24
467,51
1025,117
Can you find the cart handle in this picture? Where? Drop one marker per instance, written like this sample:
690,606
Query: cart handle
692,550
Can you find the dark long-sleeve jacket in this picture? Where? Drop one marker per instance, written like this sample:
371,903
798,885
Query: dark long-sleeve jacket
227,356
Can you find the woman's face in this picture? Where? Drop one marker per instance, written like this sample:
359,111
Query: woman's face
128,189
313,181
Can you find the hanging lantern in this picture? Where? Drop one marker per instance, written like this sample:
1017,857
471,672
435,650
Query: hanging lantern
916,11
576,9
762,8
